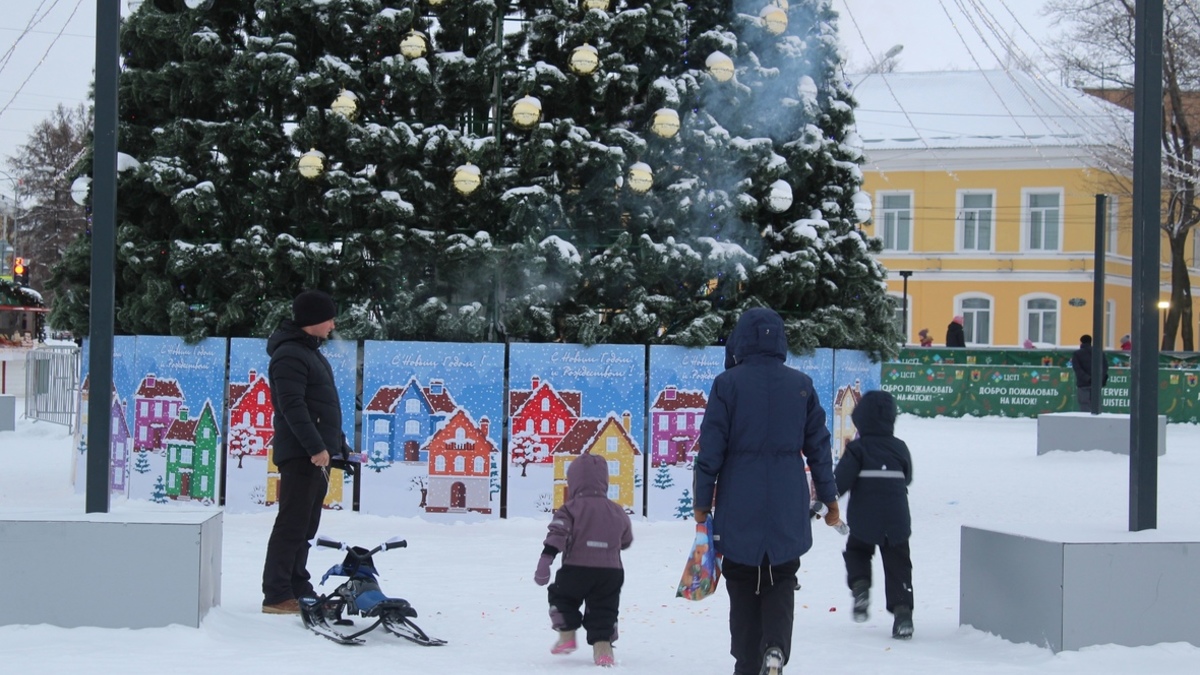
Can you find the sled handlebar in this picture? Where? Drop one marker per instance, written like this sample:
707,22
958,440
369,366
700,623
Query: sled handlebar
394,542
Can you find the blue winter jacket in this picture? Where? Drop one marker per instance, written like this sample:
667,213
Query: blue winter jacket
762,423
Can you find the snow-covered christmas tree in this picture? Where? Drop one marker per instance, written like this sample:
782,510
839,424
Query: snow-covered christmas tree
635,171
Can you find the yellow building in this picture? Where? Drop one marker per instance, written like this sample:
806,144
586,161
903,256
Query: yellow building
983,185
610,439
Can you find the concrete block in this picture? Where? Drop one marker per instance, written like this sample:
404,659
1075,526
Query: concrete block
1067,589
8,413
1084,431
110,570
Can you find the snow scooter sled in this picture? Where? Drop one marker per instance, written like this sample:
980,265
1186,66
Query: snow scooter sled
360,594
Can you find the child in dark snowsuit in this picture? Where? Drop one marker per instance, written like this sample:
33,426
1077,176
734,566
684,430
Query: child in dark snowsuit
590,531
876,470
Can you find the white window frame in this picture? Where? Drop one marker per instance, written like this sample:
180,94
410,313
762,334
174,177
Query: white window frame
1058,317
412,406
961,209
968,316
881,218
412,428
1027,212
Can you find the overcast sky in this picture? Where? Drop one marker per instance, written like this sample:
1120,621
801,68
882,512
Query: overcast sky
51,48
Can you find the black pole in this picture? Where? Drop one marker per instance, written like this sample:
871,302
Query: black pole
104,247
1098,305
1147,188
905,274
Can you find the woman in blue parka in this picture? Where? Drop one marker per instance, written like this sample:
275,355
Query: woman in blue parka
763,424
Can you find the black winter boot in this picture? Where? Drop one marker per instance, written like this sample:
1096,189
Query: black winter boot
902,626
862,599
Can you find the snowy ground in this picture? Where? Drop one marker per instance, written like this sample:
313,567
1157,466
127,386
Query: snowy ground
472,585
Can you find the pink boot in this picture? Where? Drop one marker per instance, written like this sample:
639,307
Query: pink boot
602,654
565,644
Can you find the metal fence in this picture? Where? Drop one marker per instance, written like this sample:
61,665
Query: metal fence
52,384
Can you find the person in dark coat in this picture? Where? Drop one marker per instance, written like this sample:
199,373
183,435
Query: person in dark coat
590,530
876,470
1081,363
763,423
308,440
955,337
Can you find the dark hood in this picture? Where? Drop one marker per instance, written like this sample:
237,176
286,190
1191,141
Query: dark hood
875,414
288,331
759,332
587,475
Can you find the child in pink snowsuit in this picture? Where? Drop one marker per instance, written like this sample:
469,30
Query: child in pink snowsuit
590,531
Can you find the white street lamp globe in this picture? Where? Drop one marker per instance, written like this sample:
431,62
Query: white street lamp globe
665,123
585,59
719,66
81,187
774,19
526,112
780,198
467,179
641,177
346,104
311,164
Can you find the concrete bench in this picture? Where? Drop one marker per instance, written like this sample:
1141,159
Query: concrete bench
1084,431
110,570
1069,588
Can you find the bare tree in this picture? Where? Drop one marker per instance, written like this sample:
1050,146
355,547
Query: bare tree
1097,50
45,166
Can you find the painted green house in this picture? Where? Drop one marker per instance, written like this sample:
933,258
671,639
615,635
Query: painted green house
192,455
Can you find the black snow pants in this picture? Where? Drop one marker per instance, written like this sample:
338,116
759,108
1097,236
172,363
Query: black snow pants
597,590
302,488
762,604
897,568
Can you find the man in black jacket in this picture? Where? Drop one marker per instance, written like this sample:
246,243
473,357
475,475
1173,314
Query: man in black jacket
1081,363
955,336
308,439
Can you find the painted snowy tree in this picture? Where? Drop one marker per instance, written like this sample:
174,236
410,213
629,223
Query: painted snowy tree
159,496
640,172
142,465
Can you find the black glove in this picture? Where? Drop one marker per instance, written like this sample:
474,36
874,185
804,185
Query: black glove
342,460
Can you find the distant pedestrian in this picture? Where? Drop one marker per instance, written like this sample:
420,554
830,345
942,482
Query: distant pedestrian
954,333
1126,343
1028,344
926,338
1081,363
876,470
590,530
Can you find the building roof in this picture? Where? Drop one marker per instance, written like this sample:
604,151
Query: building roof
981,109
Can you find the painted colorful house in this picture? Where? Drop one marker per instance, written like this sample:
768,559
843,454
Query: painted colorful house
251,416
460,466
398,421
983,186
120,446
675,418
610,438
156,405
844,401
333,495
191,445
545,412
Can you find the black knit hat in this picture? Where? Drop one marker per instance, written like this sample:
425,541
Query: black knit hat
313,307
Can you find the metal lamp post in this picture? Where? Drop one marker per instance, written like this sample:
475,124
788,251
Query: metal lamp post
905,274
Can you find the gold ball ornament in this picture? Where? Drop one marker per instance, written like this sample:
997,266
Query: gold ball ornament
774,19
311,164
527,112
585,59
436,3
346,104
414,45
641,177
665,123
467,179
719,66
781,4
601,5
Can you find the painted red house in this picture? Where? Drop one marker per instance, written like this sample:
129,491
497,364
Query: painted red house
545,413
460,466
250,416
